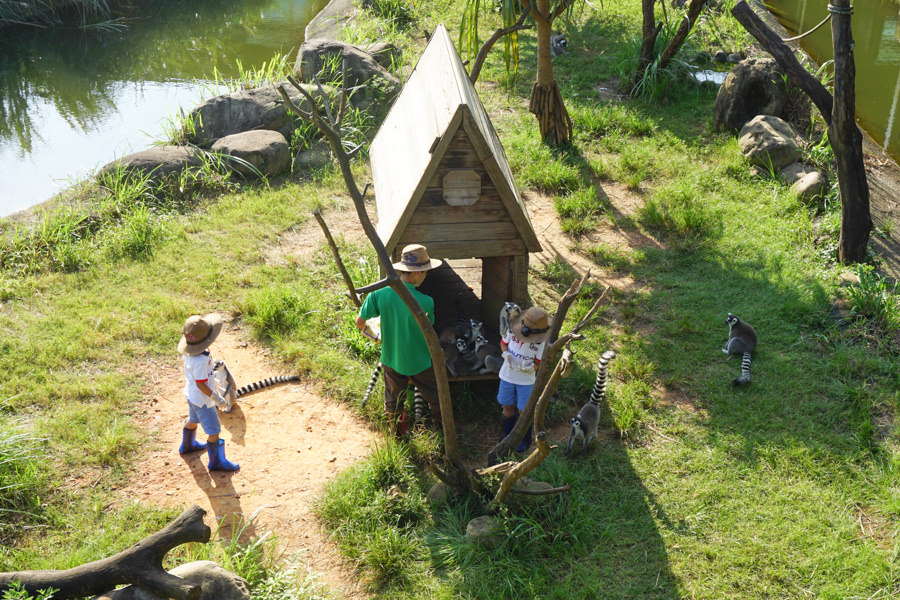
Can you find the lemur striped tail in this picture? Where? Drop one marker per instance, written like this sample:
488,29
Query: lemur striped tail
264,383
372,383
419,404
745,371
599,391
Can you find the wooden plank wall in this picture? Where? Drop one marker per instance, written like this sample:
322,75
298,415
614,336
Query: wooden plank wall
482,229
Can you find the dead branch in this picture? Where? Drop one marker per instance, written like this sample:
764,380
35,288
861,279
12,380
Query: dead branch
547,492
460,478
140,565
537,456
337,258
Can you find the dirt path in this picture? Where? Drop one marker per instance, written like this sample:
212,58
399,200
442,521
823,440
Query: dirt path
288,440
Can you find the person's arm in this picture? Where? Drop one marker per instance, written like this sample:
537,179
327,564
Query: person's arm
360,323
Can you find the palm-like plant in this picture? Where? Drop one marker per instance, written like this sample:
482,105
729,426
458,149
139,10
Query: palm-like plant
546,101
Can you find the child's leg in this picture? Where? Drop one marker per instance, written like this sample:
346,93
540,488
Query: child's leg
189,442
208,418
507,399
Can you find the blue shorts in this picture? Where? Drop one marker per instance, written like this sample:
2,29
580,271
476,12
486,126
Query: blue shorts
207,416
511,393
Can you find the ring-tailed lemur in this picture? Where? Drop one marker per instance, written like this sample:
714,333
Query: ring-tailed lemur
558,44
509,312
586,423
229,393
741,340
487,357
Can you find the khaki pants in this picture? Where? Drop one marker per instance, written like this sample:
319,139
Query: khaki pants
395,384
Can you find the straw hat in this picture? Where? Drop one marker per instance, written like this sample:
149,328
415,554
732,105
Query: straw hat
199,332
531,326
415,258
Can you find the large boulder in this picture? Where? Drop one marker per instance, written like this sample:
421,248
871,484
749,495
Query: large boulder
215,584
769,142
260,152
753,87
156,163
362,68
244,110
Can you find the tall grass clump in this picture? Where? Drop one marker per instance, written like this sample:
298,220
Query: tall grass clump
579,211
124,213
680,211
875,299
23,478
375,510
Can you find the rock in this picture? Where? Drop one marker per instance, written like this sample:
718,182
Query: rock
158,162
794,172
439,494
266,151
331,21
720,56
810,187
362,69
215,584
753,87
769,142
384,53
485,530
245,110
734,57
316,157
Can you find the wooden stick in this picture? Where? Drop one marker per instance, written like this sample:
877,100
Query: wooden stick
337,258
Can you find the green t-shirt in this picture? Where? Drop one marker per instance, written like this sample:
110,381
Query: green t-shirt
403,346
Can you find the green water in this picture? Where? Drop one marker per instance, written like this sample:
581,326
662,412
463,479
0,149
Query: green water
72,100
876,34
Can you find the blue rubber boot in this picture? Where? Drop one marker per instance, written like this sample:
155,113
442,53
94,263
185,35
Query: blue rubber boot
508,424
189,441
217,460
526,441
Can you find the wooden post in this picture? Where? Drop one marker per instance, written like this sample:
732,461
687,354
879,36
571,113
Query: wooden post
846,140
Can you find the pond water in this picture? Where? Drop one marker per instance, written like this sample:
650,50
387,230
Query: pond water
72,100
876,34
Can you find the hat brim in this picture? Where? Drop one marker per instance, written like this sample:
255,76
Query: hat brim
216,322
433,263
516,327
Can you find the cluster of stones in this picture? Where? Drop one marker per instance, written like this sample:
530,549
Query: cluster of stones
752,101
249,129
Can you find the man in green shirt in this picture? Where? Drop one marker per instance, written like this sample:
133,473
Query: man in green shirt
404,352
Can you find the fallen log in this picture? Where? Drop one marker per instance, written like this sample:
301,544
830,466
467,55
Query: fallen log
140,565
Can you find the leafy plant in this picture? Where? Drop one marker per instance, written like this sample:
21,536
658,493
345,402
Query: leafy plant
875,298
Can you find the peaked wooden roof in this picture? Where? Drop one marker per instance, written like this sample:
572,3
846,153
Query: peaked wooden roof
436,101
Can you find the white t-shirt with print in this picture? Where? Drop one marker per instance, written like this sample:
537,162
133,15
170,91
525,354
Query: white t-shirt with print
519,364
198,368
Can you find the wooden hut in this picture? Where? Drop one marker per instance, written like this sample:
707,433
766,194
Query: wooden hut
442,179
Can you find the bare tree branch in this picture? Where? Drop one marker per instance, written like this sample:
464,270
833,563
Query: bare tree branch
337,258
461,482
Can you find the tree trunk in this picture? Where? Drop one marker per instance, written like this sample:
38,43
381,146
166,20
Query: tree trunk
650,31
546,102
846,140
140,565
